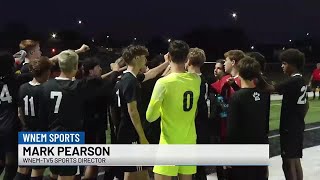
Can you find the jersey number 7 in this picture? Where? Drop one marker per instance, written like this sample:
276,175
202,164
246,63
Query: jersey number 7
57,94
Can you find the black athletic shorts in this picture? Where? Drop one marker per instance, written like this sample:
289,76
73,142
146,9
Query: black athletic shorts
248,173
315,84
64,170
291,144
9,142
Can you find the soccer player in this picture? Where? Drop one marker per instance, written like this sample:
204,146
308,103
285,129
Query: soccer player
293,111
28,103
95,120
62,102
128,90
248,108
175,99
9,123
196,59
315,81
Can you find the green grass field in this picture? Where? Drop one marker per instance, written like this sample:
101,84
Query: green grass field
312,116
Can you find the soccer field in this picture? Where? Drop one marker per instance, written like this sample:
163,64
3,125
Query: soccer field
312,116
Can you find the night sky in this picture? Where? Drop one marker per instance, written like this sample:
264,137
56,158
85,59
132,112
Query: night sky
263,20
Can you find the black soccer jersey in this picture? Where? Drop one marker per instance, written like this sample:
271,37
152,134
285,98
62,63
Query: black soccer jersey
28,101
8,101
25,68
247,116
128,89
294,103
202,120
62,102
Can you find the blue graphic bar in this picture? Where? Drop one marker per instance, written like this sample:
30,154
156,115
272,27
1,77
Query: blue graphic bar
51,138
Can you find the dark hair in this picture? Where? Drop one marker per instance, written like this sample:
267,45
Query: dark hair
6,63
132,51
221,61
156,61
293,57
178,51
249,68
89,64
196,57
234,55
39,66
258,57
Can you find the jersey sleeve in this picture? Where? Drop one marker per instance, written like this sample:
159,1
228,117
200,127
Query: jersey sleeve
20,98
153,111
282,87
141,77
130,91
233,118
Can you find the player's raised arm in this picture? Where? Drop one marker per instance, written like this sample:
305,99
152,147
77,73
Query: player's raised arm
153,111
152,73
82,49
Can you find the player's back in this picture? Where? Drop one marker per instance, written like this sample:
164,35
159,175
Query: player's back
62,104
8,105
29,99
179,107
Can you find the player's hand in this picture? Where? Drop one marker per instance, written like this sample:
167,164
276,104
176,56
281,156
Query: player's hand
144,140
84,48
166,57
114,66
230,80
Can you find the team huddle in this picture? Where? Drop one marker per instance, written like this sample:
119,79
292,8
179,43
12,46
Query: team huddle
167,102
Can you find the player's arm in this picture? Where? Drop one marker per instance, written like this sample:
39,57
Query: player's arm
82,49
153,111
21,116
43,110
136,121
115,69
152,73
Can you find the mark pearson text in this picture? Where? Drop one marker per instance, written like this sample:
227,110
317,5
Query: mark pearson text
66,151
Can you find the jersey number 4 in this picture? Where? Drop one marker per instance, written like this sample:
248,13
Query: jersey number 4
58,101
187,96
5,95
303,99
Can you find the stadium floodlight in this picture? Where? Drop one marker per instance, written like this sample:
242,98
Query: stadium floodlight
53,35
135,39
308,34
92,39
108,36
290,40
169,40
79,22
252,47
283,48
53,50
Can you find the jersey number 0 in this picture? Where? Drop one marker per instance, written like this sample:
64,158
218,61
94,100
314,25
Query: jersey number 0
187,96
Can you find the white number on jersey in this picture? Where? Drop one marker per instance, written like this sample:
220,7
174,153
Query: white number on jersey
118,98
26,106
302,99
5,95
59,97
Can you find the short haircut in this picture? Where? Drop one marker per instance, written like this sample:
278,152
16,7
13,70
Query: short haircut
68,61
249,68
178,51
132,51
89,64
196,57
6,63
293,57
234,55
258,57
28,45
39,66
221,61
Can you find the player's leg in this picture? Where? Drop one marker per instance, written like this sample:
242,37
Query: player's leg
162,177
37,173
299,170
186,172
288,166
22,173
11,165
166,172
137,173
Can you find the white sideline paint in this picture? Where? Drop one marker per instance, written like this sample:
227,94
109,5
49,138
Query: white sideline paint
309,129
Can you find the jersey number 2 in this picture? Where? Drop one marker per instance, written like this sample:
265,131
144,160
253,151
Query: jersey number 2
302,99
187,95
59,97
